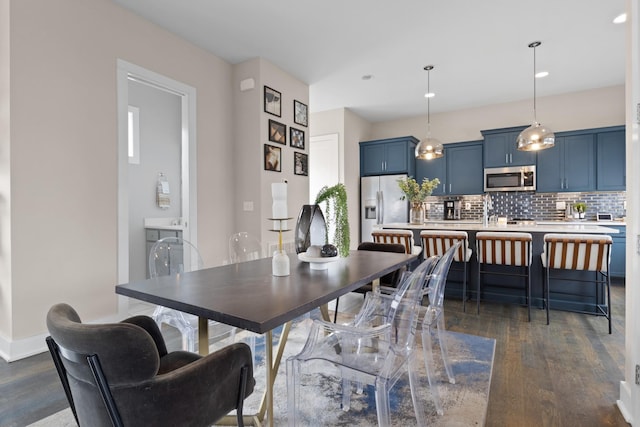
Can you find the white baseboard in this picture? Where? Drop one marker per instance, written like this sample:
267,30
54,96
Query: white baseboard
12,350
625,396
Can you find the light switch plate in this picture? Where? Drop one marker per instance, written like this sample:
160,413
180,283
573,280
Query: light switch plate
248,206
561,206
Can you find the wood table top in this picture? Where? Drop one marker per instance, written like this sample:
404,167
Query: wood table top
248,296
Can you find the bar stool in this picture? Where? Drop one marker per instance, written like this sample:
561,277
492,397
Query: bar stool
505,248
582,252
437,242
403,237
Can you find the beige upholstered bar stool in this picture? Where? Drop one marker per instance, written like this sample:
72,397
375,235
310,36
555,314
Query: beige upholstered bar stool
505,248
585,252
437,242
403,237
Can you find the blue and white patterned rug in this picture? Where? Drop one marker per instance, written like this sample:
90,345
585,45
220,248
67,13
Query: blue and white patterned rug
464,403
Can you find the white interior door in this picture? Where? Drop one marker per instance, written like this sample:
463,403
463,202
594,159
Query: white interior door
324,166
324,163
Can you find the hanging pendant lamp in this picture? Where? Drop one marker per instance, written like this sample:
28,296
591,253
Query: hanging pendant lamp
535,137
429,148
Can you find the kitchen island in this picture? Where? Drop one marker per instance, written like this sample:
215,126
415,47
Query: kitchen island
567,295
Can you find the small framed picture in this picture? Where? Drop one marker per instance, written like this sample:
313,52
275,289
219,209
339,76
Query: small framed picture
272,100
300,163
277,132
272,157
296,138
300,115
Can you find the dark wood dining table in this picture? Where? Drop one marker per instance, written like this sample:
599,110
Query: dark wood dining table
246,295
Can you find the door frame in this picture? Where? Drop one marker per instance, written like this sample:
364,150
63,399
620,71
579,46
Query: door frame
127,71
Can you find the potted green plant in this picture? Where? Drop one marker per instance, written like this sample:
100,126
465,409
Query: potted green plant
337,216
580,208
417,193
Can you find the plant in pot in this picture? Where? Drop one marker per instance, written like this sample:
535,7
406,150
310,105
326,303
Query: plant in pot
416,194
337,215
580,209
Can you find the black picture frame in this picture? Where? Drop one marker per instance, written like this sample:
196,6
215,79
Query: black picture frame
272,158
300,163
300,113
277,132
272,101
296,138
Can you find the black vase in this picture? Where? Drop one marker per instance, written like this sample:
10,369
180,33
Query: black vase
311,228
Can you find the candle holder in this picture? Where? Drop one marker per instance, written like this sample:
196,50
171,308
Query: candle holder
280,265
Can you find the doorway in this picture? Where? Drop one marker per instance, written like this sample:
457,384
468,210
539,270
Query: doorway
184,180
324,163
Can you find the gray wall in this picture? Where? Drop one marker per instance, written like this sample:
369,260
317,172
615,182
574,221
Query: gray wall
160,128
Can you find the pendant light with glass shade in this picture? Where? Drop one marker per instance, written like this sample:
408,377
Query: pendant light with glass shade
535,137
429,148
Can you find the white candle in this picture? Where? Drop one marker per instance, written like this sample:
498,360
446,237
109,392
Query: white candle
279,208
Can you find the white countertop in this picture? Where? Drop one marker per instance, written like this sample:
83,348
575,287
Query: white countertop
589,227
164,223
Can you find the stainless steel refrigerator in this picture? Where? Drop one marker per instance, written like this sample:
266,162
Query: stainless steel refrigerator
380,203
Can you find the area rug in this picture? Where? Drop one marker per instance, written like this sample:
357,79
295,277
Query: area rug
464,403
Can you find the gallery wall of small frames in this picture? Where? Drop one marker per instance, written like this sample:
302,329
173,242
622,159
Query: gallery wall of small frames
277,133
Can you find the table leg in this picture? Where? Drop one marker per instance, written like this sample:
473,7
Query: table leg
203,335
271,365
324,311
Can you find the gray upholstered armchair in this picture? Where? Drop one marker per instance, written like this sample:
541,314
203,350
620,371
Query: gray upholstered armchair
121,374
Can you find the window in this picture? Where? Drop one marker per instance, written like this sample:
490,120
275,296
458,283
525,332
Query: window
134,135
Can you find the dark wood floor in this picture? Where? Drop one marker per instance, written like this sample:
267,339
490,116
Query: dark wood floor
564,374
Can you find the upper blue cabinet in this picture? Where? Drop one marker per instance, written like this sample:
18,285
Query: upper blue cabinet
388,156
611,160
569,165
501,150
459,170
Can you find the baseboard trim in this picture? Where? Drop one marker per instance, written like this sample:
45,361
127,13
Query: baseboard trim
625,396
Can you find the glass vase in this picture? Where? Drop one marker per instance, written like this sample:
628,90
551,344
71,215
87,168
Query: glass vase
311,228
416,214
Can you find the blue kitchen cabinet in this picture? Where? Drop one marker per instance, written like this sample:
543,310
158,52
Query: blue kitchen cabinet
568,166
464,169
388,156
611,172
459,170
434,168
501,149
618,251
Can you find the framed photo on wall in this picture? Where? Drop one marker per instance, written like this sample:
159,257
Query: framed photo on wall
272,158
277,132
300,114
300,163
272,101
296,138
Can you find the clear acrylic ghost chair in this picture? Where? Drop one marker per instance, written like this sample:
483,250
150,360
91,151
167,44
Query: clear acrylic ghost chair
376,349
433,316
171,256
244,247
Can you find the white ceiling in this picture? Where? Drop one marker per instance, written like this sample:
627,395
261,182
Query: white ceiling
479,48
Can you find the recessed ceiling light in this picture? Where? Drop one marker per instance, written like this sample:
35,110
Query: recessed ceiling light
542,74
367,77
429,95
620,18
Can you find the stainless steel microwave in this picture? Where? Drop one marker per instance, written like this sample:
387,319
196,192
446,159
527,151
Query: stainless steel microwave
514,178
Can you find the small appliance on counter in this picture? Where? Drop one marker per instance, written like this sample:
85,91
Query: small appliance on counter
452,209
604,216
